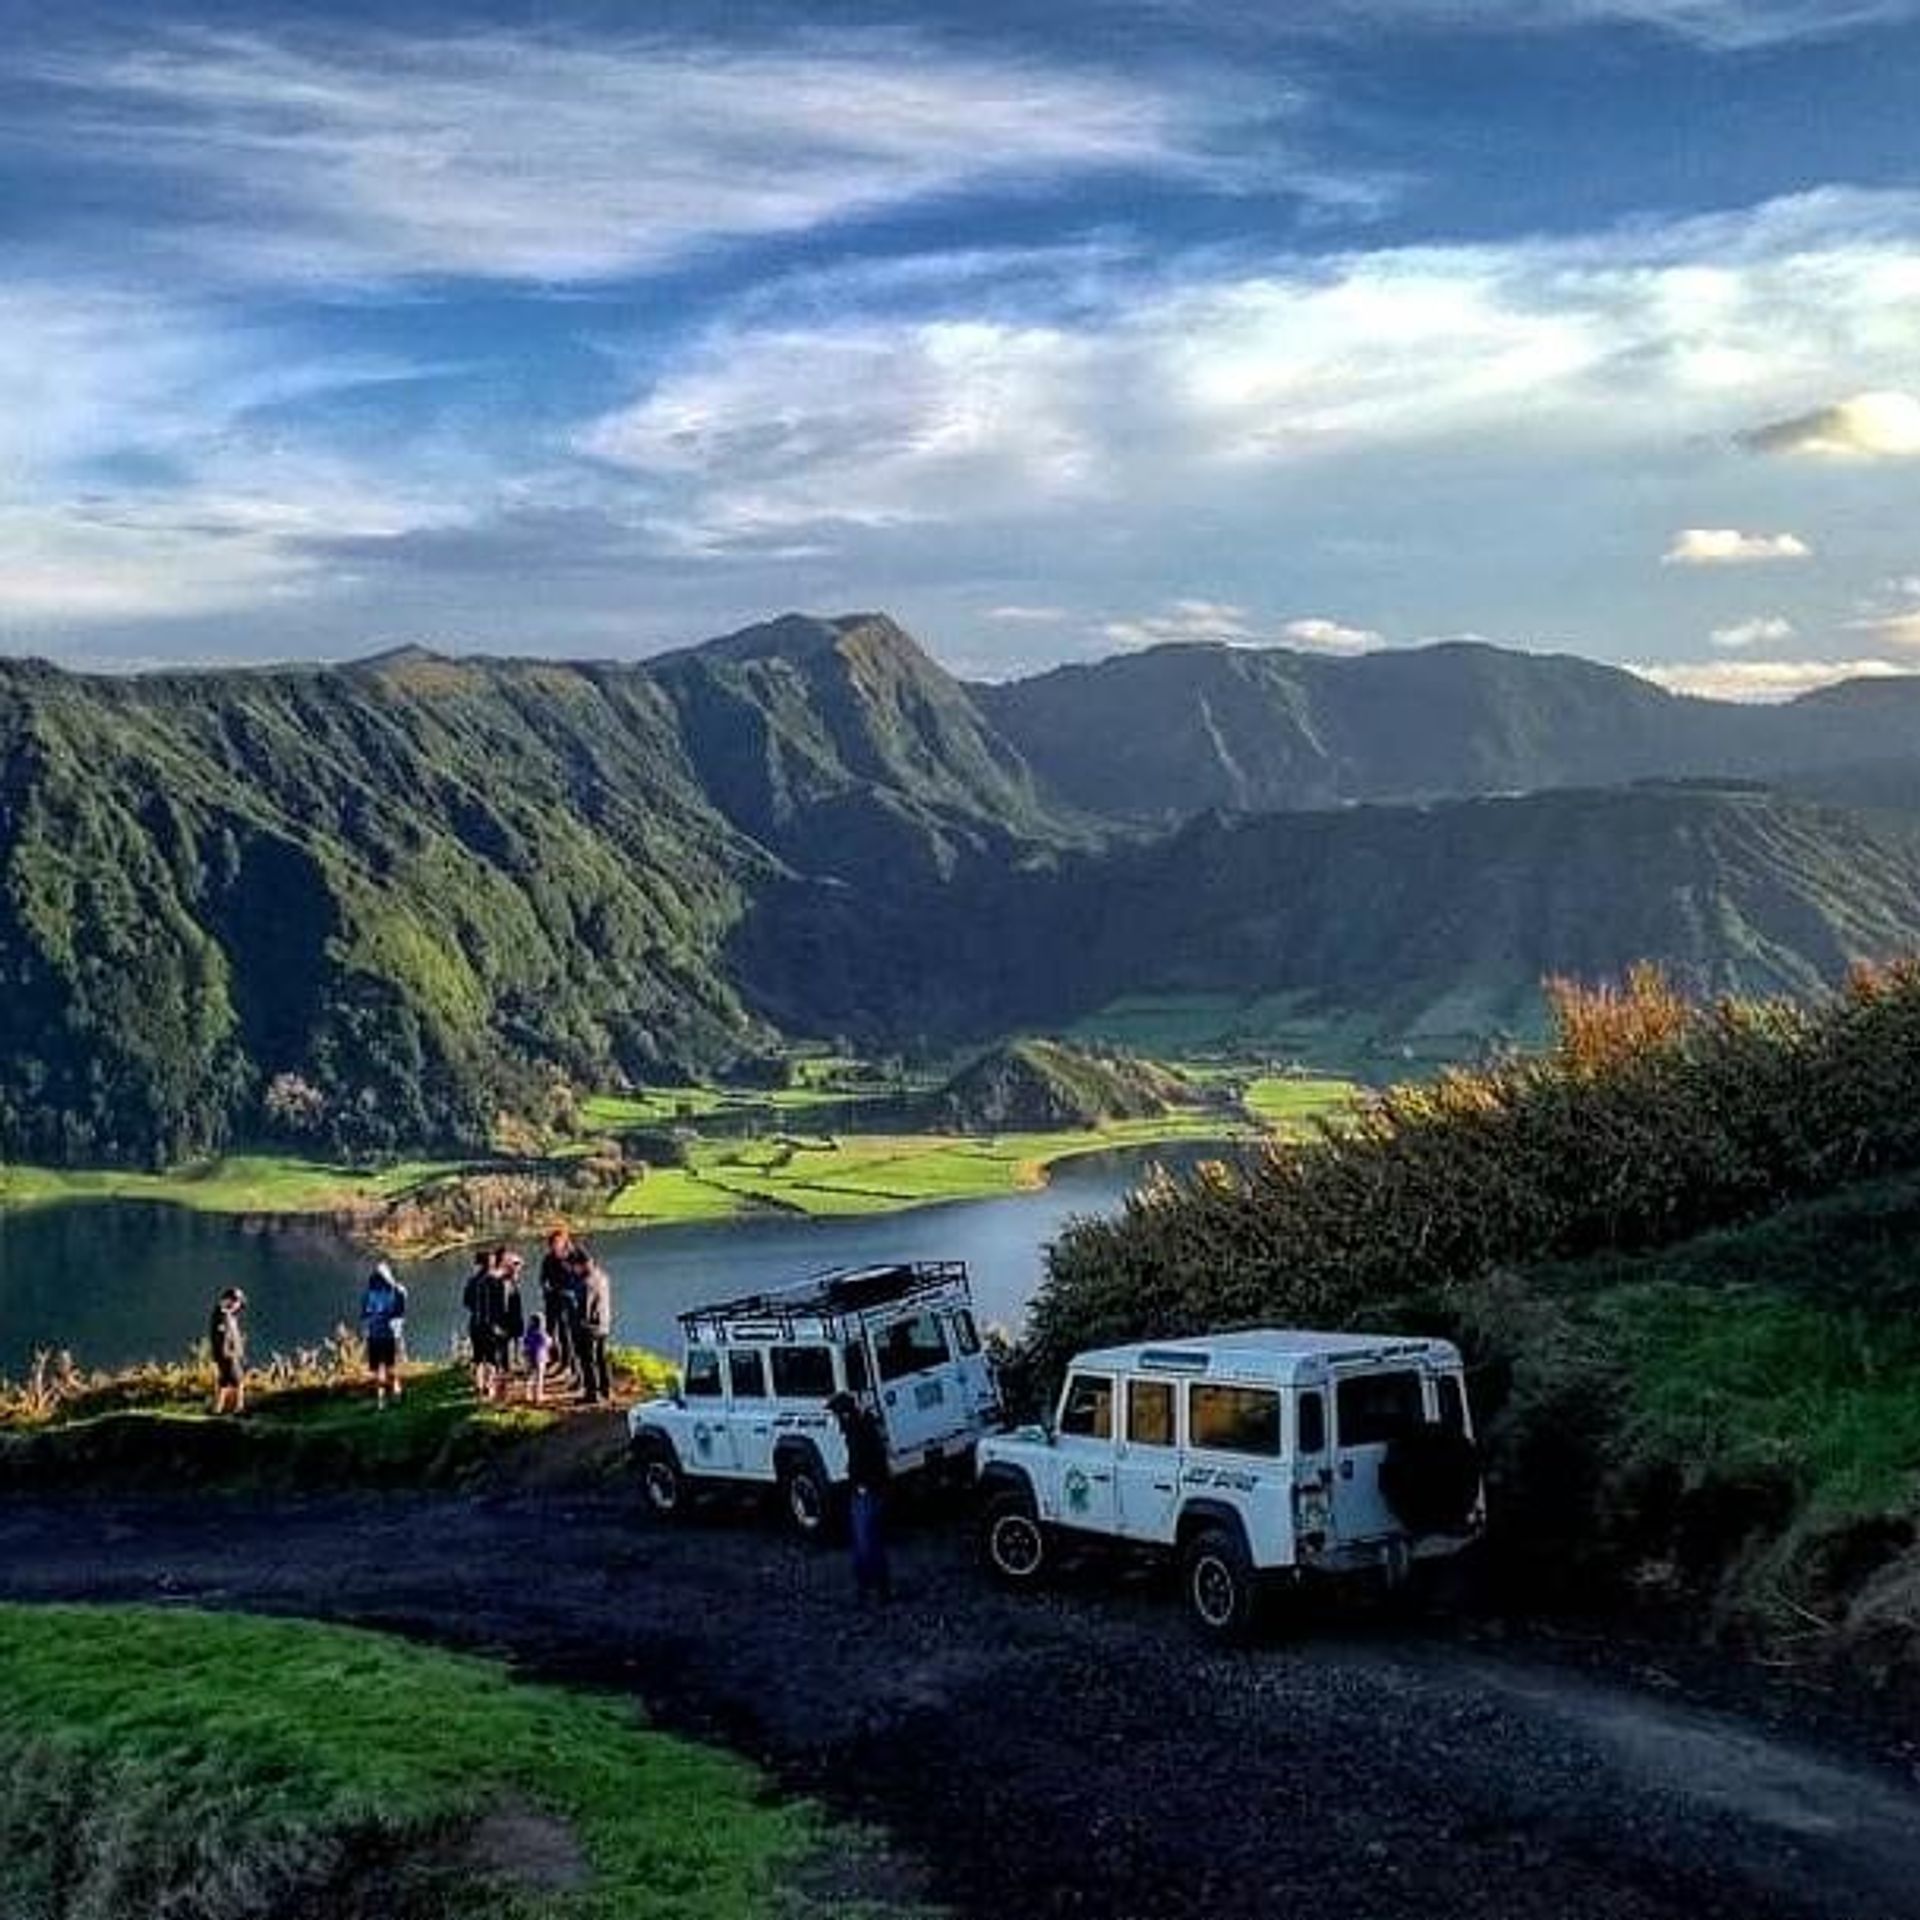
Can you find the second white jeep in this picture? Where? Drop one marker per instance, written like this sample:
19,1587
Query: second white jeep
1251,1456
751,1406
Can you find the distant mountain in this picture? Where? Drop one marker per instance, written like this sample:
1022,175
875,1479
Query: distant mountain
1162,735
374,906
841,746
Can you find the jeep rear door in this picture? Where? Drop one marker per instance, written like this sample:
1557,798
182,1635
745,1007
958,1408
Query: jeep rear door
920,1390
1371,1409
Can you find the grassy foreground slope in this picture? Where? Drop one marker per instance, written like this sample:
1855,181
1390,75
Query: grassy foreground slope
229,1767
1680,1247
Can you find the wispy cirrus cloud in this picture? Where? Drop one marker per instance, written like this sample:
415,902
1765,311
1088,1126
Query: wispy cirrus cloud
1730,26
1729,547
549,158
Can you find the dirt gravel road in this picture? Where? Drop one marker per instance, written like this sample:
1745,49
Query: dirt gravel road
1075,1753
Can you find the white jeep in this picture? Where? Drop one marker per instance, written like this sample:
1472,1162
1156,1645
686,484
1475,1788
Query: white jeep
1251,1456
751,1406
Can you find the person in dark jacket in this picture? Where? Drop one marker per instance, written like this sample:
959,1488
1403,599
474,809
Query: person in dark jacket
591,1293
485,1299
383,1319
227,1343
556,1299
868,1475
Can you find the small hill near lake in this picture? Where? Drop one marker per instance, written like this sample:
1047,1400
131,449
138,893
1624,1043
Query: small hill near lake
1039,1086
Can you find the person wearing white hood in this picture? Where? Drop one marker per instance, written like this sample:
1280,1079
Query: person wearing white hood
383,1318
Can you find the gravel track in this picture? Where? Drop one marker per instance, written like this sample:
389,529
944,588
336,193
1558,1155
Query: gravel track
1075,1753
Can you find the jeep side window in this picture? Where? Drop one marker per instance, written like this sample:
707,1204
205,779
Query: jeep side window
1087,1411
911,1346
1377,1407
1312,1420
747,1373
1150,1413
1234,1419
802,1373
856,1356
703,1374
1452,1403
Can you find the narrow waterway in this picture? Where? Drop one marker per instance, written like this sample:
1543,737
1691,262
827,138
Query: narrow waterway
114,1282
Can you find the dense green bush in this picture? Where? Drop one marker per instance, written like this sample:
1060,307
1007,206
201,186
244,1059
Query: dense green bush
1648,1120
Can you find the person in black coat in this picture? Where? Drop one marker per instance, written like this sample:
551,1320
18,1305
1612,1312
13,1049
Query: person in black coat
869,1472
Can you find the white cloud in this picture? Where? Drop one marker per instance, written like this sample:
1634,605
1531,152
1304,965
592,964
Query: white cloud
1892,629
1728,547
1549,350
1183,622
1762,680
1329,636
1719,25
535,156
1870,426
1767,630
1023,616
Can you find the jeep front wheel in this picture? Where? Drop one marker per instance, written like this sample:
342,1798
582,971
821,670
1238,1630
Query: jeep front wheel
806,1499
1221,1586
1013,1543
662,1487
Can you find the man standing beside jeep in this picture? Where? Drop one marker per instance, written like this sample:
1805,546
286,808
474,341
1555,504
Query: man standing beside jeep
867,1476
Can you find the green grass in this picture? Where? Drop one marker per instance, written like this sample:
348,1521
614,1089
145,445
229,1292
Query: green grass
1740,1381
156,1761
853,1174
245,1183
1285,1104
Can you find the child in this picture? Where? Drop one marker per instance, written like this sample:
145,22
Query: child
538,1349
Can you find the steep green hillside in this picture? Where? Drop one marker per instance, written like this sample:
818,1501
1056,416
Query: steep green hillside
404,885
1434,921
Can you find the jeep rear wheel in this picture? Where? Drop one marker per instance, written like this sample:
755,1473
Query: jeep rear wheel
1221,1586
1013,1543
806,1498
662,1486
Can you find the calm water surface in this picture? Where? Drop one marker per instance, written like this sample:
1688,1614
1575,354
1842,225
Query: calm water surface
115,1283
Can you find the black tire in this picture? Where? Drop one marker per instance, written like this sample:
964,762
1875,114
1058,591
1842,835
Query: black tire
663,1487
808,1508
1220,1584
1014,1546
1430,1479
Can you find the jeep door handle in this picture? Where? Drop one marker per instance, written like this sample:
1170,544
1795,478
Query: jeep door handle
1100,1476
1163,1486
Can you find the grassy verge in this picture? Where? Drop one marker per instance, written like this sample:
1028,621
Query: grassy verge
149,1427
1734,1419
223,1766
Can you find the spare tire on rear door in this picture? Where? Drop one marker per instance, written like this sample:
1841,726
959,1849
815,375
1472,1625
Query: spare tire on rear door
1430,1478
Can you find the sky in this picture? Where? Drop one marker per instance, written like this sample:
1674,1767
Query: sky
1575,325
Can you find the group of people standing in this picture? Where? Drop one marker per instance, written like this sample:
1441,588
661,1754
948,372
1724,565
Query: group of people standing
565,1337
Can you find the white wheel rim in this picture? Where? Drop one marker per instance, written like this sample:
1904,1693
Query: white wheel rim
803,1501
663,1490
1016,1545
1213,1590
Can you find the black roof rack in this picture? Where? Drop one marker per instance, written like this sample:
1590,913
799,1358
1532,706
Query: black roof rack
837,1290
